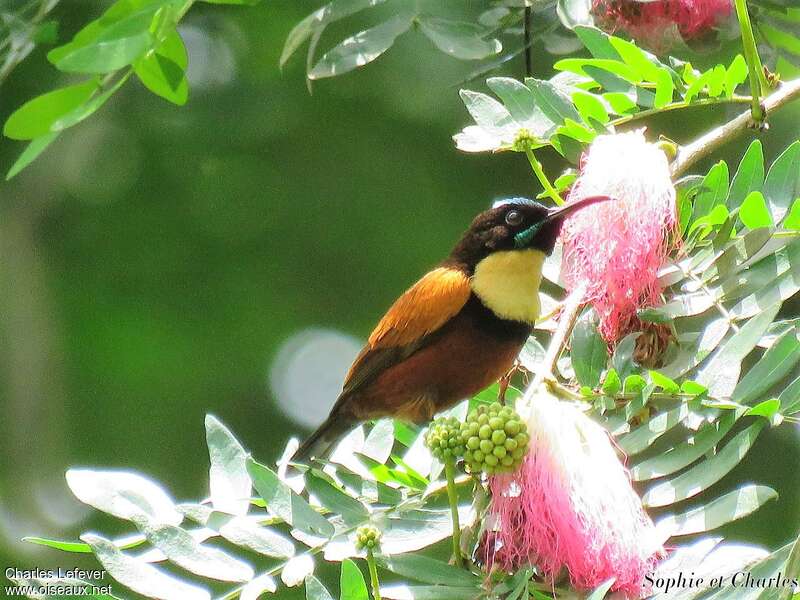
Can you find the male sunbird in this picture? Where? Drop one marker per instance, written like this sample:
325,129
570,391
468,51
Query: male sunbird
456,330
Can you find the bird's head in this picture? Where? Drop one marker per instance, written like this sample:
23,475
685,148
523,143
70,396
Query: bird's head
513,224
503,252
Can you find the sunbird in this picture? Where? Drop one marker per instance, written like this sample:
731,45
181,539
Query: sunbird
456,330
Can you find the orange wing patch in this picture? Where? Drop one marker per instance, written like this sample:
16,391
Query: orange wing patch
422,309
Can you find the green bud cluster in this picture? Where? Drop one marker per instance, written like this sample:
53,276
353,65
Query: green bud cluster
367,537
444,438
523,140
496,439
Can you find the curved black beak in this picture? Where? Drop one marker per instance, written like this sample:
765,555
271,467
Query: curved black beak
563,211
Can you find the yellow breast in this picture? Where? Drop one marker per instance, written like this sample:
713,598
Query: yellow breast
507,282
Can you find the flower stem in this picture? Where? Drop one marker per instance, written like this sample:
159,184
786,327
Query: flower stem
758,80
792,568
373,575
452,496
542,177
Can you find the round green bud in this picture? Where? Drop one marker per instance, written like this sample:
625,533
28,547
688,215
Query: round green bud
367,536
498,437
444,438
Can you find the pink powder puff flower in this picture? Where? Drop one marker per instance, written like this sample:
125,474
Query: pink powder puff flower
571,505
616,248
653,22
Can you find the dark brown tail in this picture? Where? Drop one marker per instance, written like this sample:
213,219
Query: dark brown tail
319,443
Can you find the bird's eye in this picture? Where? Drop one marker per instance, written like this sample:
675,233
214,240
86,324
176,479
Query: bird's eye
514,218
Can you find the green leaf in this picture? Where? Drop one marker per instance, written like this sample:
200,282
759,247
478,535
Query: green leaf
792,220
664,382
315,590
285,504
684,305
181,548
643,436
555,105
601,590
782,282
721,373
597,42
123,495
665,89
704,225
429,570
298,569
766,409
735,75
334,499
713,190
590,108
31,153
782,185
237,2
612,384
263,584
754,213
589,352
401,591
88,108
351,582
379,442
360,49
517,98
229,481
416,529
773,565
36,117
686,452
240,531
487,112
316,22
718,512
139,576
771,368
705,474
790,397
111,42
621,103
163,72
459,39
81,547
749,176
520,103
613,75
622,359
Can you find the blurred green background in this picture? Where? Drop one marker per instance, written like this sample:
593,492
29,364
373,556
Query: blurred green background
158,260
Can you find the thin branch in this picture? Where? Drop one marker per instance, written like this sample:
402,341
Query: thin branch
572,307
710,142
527,34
